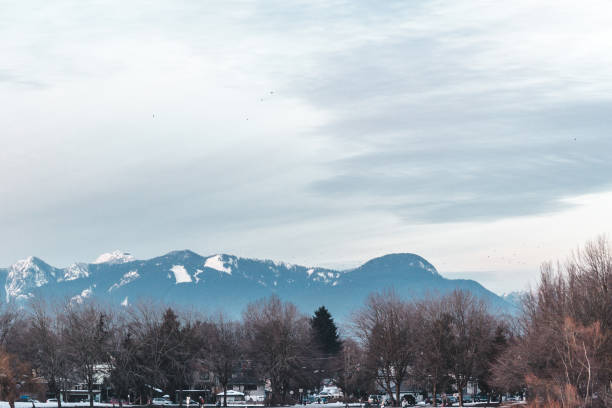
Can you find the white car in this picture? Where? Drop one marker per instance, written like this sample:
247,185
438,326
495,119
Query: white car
161,401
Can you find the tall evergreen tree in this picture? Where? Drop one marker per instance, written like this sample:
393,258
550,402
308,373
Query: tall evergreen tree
325,332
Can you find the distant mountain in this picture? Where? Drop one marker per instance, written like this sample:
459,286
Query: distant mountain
514,298
228,282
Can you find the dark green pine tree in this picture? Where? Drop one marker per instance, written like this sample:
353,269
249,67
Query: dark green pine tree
325,332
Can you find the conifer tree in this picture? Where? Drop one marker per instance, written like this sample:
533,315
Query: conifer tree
325,332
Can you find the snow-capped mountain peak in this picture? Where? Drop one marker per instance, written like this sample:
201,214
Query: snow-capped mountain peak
27,273
115,257
75,271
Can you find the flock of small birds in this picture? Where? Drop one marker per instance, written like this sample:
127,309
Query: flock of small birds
262,99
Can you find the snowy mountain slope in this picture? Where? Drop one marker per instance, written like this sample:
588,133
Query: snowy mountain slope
228,282
28,273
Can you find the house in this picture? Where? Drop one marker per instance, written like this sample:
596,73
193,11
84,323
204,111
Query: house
245,380
233,397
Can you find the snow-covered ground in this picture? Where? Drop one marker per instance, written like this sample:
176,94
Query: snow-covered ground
341,404
4,404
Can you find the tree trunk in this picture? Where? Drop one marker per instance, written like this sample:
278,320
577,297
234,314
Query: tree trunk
388,390
435,400
91,397
397,394
58,395
225,395
460,395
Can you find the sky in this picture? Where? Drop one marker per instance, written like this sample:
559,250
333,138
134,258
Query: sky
476,134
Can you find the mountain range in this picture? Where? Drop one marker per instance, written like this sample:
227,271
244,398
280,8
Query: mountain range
185,278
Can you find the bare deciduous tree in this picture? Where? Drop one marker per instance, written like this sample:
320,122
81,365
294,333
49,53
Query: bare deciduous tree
15,377
386,327
87,336
471,333
564,351
278,339
47,348
434,344
223,349
353,376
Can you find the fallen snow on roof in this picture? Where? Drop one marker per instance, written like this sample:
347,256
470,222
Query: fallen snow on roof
231,392
216,262
180,274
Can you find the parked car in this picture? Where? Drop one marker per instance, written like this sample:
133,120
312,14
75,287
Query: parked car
375,399
27,398
161,401
52,400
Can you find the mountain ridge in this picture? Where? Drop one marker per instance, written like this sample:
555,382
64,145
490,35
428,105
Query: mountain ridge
229,282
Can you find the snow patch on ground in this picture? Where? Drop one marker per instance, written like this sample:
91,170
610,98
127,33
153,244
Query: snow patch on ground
195,275
310,271
428,268
180,274
326,277
131,276
86,293
125,302
115,257
216,262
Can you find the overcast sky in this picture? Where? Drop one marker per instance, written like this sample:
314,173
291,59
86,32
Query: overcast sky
476,134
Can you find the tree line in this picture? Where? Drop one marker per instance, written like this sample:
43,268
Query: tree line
562,347
558,349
